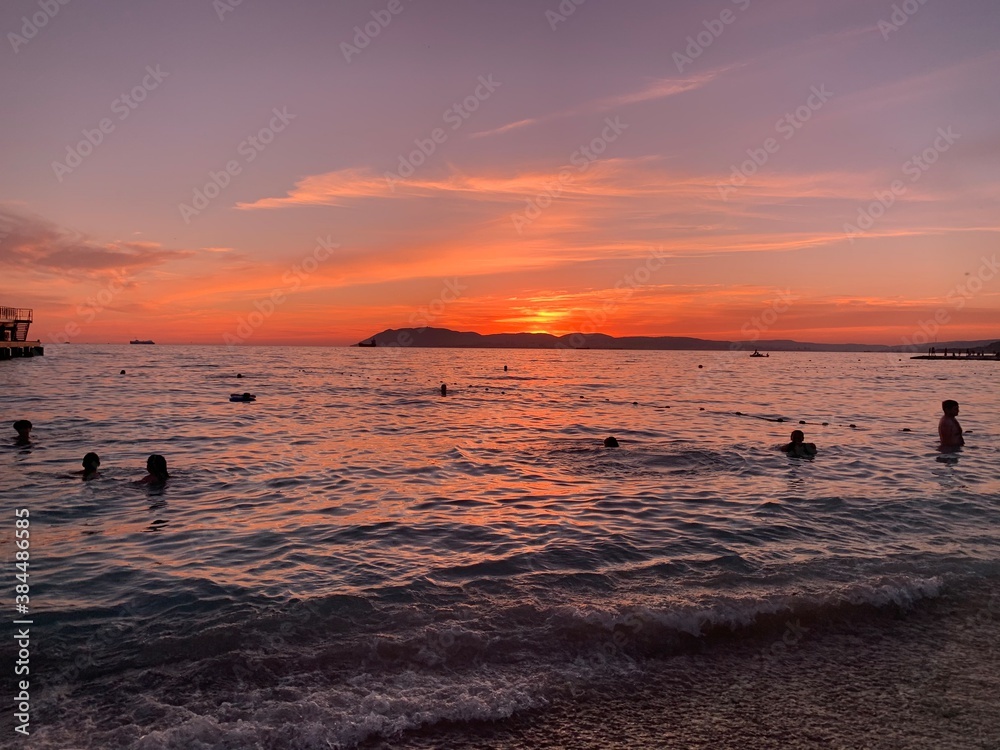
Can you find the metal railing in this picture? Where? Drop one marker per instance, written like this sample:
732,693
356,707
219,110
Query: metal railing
12,314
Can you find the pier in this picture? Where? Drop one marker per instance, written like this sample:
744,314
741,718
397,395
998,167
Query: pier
988,356
14,324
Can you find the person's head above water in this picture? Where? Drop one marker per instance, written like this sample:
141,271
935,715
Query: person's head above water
610,442
798,446
156,465
91,461
23,428
950,407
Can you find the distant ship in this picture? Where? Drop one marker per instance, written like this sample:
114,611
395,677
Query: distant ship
136,341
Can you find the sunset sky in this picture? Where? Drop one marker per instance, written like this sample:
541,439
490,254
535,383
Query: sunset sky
270,172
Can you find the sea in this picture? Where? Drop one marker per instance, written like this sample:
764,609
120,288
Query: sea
354,560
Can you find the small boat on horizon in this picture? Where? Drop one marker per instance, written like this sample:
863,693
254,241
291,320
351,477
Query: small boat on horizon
137,341
373,343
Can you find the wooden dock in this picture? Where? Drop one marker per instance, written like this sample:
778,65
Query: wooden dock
14,324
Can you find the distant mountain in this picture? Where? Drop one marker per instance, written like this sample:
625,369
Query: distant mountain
445,338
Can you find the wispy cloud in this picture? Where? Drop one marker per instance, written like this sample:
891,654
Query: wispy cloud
32,243
657,89
336,188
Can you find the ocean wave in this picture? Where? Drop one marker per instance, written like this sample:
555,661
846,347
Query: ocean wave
329,673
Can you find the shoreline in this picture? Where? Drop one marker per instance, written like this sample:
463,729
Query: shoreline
927,678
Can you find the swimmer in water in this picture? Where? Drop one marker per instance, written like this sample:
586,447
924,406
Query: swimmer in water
798,446
949,430
90,464
610,442
156,465
23,428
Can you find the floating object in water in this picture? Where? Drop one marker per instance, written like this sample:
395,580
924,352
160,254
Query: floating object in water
802,421
610,442
906,429
739,414
635,403
505,368
239,374
854,426
826,424
700,367
242,397
122,372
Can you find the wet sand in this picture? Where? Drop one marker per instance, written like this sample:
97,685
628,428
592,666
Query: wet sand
928,678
